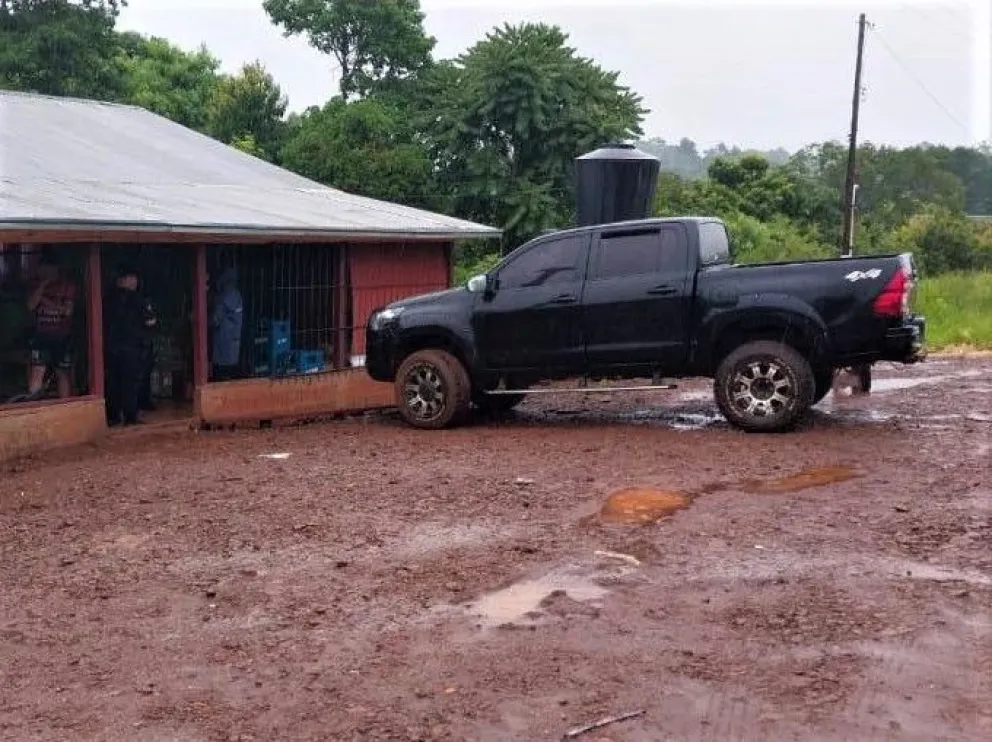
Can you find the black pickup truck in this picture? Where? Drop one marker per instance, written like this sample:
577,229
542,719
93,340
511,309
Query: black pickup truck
639,299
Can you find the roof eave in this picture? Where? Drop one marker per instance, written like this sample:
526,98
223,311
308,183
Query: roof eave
105,229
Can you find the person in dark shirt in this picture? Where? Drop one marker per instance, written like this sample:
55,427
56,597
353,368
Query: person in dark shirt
132,320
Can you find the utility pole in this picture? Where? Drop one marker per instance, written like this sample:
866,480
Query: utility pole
850,186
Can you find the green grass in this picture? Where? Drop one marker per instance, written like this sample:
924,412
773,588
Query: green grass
958,308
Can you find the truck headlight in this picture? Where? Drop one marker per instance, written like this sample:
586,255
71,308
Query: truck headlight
380,319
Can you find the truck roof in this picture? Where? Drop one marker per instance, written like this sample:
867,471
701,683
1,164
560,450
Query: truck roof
653,221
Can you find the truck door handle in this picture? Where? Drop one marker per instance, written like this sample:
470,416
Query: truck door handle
663,290
564,299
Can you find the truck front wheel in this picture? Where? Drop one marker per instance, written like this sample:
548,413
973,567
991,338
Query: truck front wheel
764,387
433,390
824,379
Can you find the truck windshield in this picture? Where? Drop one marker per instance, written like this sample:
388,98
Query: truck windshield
714,247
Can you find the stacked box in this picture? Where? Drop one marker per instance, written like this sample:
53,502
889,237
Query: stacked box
309,361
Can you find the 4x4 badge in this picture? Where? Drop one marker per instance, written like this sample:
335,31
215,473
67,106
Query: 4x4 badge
859,275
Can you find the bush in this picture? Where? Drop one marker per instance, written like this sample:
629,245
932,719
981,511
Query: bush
941,241
470,265
755,241
958,308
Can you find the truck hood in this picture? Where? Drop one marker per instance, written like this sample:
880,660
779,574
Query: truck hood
436,298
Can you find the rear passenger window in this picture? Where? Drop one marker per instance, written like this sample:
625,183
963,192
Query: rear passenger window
641,253
714,247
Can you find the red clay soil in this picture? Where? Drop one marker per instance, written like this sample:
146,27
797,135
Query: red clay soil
381,583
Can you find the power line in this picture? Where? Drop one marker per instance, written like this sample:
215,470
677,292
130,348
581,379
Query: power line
931,15
898,60
949,10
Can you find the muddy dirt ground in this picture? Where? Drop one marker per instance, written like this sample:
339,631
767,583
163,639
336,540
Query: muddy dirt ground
379,583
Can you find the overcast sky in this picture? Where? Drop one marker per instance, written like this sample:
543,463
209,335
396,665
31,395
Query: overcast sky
749,73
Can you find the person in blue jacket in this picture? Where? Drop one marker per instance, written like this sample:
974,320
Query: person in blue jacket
226,321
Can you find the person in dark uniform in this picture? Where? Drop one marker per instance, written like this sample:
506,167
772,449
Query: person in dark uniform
131,323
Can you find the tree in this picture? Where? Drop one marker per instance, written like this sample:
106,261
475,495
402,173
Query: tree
167,80
894,184
507,119
248,105
60,47
364,147
246,143
676,196
373,42
974,168
764,191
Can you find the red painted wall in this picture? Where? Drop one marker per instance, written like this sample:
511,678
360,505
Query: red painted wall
384,273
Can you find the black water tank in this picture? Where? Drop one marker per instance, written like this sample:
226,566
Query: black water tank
614,184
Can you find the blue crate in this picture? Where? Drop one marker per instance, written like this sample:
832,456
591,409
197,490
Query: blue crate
309,361
279,337
272,354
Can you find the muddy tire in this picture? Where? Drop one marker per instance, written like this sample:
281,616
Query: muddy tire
433,390
824,383
764,387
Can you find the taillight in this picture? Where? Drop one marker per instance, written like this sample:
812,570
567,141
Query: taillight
894,299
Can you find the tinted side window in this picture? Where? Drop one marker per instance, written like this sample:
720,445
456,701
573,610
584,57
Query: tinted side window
552,262
714,247
641,253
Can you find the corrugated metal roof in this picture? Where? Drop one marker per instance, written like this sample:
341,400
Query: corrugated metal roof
67,163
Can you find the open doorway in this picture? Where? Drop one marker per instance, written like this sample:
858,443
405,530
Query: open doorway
43,320
165,274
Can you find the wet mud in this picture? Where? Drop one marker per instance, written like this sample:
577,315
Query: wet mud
515,578
641,505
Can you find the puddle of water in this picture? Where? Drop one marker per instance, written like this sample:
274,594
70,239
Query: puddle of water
275,456
641,505
898,384
696,397
518,602
857,414
695,421
657,417
932,573
819,477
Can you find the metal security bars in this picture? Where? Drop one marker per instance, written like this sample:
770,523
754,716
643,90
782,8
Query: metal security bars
295,310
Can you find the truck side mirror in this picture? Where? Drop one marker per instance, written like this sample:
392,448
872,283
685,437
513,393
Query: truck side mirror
478,284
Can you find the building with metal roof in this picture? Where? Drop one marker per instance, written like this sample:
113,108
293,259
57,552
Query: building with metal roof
71,164
100,185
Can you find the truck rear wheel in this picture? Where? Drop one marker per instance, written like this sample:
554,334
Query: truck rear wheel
433,390
764,387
